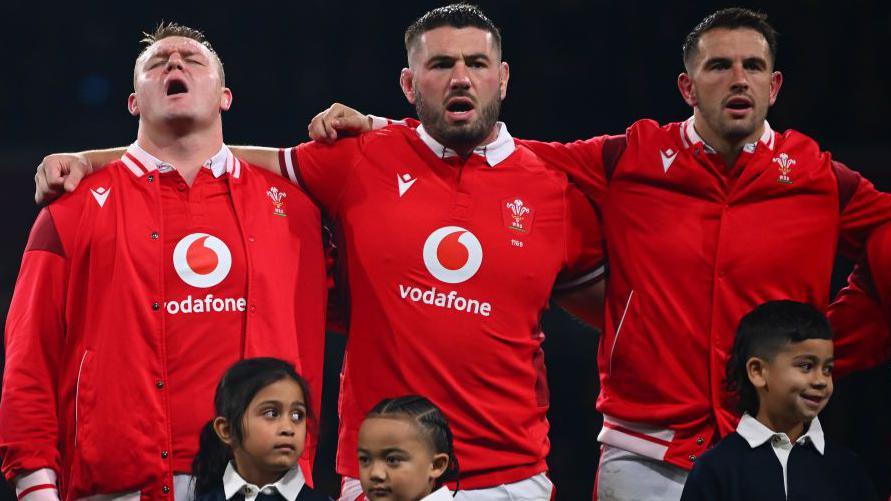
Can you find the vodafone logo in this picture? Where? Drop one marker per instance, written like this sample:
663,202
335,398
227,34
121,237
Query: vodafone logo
452,254
202,260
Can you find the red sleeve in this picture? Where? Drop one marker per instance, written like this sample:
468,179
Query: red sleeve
861,312
588,163
584,243
863,209
35,332
323,170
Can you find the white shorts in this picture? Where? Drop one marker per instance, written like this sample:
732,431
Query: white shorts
626,476
535,488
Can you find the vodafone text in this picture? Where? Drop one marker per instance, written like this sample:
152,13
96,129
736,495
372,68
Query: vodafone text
207,304
450,300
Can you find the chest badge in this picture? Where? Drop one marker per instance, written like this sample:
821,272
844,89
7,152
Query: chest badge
278,200
517,215
785,165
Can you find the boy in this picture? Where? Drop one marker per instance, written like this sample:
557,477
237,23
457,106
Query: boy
781,370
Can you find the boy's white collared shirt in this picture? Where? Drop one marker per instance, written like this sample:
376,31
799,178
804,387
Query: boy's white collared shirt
756,433
289,486
441,494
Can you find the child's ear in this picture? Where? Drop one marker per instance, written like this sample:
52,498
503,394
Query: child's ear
756,370
223,430
439,465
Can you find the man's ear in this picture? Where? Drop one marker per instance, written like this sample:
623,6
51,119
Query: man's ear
504,76
688,92
223,430
776,81
226,99
407,84
132,105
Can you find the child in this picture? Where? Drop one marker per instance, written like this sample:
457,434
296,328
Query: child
249,451
405,451
781,370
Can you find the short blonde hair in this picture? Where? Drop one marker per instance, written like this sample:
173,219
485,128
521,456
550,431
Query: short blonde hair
172,29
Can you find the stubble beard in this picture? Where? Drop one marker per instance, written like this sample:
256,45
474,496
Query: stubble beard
458,137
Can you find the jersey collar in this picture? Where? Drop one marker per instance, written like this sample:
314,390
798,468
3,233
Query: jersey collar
289,486
441,494
690,137
755,433
494,153
140,162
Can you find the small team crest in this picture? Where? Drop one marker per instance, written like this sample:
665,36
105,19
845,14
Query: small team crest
517,215
278,200
785,165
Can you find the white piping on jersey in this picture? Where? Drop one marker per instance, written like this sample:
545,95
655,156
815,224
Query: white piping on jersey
619,330
289,166
77,392
646,440
495,152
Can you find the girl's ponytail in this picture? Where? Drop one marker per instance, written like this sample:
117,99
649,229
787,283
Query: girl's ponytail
211,460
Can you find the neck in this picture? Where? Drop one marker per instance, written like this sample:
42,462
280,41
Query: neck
793,428
727,147
185,150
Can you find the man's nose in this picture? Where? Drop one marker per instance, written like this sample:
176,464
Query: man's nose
740,77
460,76
174,62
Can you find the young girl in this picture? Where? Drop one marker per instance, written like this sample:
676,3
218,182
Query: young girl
406,452
249,451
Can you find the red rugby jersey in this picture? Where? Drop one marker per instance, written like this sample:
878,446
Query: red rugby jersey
693,246
450,264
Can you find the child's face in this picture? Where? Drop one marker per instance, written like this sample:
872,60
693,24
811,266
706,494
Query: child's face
274,433
797,383
396,462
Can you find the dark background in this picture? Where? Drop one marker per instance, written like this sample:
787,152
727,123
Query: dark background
578,68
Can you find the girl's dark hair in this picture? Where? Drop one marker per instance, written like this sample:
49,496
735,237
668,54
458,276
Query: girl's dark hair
763,333
430,420
237,388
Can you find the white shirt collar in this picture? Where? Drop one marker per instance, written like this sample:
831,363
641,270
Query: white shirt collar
289,486
689,137
140,161
756,433
495,152
441,494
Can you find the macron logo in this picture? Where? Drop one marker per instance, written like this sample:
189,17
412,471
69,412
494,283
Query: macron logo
668,157
405,181
101,195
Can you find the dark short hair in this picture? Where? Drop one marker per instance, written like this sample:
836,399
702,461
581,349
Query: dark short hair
432,422
172,29
732,18
456,15
239,385
763,333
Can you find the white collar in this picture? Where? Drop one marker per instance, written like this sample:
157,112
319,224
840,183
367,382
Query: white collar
441,494
689,137
495,152
140,162
756,433
289,486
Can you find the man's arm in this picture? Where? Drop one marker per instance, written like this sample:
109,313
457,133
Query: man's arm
861,312
863,210
60,173
585,303
35,330
580,286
